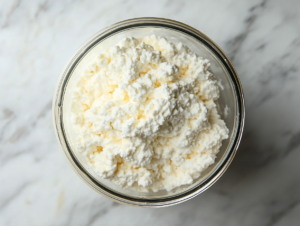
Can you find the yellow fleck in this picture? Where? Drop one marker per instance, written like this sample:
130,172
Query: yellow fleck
60,201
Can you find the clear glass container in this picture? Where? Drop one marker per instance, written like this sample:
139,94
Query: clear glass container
231,96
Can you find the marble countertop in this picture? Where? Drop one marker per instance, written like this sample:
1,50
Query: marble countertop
261,187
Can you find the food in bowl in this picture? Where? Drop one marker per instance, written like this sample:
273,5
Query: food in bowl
145,113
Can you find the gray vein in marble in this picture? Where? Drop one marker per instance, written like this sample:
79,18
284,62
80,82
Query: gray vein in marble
10,12
283,212
72,210
280,71
44,6
19,133
265,158
45,110
8,114
261,47
293,143
6,158
178,8
97,213
235,44
274,72
15,194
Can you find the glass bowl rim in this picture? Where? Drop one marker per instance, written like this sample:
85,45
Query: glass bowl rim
67,72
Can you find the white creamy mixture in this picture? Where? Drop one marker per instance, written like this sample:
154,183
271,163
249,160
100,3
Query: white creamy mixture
145,111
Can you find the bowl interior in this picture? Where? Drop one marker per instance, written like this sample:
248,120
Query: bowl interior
228,100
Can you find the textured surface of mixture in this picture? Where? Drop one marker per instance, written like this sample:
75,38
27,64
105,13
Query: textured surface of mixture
146,116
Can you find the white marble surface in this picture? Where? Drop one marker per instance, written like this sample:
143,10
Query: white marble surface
261,187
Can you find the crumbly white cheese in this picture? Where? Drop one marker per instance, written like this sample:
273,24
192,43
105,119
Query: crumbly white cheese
146,115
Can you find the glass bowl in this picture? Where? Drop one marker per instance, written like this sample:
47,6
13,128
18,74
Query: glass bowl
231,102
